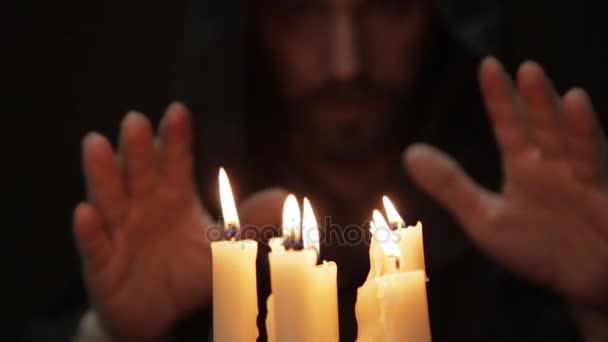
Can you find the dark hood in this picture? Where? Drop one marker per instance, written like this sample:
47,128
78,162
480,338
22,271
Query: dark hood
218,64
215,66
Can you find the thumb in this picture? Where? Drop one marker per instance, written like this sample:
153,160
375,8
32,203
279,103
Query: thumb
261,214
442,178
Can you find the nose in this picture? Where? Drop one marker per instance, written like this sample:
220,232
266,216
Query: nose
344,47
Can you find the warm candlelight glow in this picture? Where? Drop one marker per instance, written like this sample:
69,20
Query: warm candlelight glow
233,275
310,228
387,241
299,283
394,219
291,220
392,303
231,218
372,228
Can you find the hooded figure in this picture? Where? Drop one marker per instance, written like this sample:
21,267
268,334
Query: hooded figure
240,122
231,87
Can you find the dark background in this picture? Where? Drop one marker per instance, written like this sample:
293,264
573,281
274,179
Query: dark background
76,66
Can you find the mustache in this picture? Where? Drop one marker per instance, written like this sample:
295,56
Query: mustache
357,89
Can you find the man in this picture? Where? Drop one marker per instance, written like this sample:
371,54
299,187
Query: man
337,90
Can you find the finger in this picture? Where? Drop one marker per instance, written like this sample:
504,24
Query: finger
542,105
92,240
504,108
261,214
176,145
104,181
444,180
585,139
137,154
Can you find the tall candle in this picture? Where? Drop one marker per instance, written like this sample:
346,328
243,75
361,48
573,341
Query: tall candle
325,284
303,305
235,305
392,303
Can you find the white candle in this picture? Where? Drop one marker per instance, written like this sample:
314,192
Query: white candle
235,306
325,284
303,305
410,238
392,303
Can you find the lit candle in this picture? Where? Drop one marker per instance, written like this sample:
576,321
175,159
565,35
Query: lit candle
235,305
326,296
410,238
303,305
392,303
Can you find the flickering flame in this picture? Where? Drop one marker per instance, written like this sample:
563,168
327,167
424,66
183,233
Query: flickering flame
310,228
393,216
372,227
231,218
291,219
384,235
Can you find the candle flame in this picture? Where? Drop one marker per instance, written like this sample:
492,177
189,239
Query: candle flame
231,218
393,216
291,219
390,247
310,228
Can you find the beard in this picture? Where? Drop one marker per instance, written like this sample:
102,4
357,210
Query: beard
347,121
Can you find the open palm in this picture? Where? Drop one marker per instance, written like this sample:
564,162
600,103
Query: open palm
550,221
141,235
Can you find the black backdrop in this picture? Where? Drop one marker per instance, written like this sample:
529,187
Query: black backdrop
73,67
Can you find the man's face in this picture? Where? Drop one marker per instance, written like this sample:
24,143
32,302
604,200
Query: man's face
343,65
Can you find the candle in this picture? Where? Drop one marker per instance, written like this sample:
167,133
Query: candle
303,305
327,325
392,303
410,238
235,305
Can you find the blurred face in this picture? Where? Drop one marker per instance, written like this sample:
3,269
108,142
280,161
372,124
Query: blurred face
343,65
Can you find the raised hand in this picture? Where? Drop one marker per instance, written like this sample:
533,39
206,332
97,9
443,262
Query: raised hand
141,235
550,221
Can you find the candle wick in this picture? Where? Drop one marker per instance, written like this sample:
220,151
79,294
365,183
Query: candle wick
397,226
232,232
293,245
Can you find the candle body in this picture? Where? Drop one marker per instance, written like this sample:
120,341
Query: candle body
393,307
412,247
405,301
235,306
392,303
326,301
325,327
291,274
303,306
370,322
